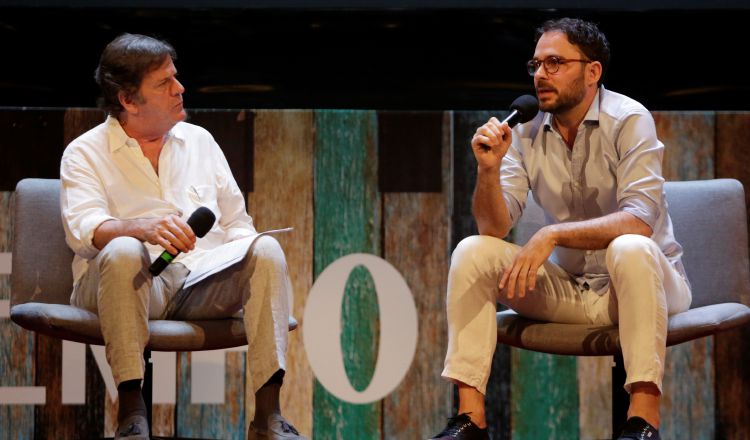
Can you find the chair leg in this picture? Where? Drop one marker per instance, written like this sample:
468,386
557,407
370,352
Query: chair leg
620,397
147,390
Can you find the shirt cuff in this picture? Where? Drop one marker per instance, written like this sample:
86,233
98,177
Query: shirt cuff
88,226
642,211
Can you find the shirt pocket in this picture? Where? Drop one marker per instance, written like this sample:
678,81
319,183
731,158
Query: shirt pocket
204,195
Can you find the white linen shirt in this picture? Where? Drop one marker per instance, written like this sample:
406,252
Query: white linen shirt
104,175
614,165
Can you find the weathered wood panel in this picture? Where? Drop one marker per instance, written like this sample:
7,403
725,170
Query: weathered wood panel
225,420
16,345
594,397
688,139
283,196
732,349
55,420
688,374
498,399
347,220
417,236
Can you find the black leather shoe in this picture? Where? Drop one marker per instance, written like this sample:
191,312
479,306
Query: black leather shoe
461,427
134,427
638,429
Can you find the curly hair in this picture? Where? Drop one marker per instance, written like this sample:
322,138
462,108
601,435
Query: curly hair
584,34
124,63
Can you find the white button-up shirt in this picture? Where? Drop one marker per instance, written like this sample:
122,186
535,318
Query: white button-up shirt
105,175
615,165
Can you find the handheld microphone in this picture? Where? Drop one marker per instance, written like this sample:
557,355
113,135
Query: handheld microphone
522,110
200,222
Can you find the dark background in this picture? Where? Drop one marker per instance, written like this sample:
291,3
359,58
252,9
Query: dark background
373,54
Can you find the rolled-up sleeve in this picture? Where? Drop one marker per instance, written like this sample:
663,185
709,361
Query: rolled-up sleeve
515,182
83,205
640,185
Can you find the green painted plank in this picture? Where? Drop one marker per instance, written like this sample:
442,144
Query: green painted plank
417,236
16,345
347,220
545,396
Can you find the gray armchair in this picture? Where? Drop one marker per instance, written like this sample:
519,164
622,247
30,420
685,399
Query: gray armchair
41,284
710,223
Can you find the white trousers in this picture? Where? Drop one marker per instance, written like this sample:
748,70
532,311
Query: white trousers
121,291
644,289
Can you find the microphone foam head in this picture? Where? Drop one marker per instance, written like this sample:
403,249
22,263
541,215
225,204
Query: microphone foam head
201,221
527,107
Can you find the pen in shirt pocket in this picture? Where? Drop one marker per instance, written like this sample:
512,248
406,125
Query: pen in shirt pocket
193,192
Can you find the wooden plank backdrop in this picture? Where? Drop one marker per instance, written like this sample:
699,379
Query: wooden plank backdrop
348,220
418,408
318,171
283,196
16,345
688,374
732,351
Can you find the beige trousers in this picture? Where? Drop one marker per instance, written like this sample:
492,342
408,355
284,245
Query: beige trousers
644,289
119,289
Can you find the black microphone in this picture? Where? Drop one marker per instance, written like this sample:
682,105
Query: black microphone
522,110
200,222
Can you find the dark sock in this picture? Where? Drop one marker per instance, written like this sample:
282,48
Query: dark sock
131,399
277,378
267,399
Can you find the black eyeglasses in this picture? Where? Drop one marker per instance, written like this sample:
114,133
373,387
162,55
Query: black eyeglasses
551,64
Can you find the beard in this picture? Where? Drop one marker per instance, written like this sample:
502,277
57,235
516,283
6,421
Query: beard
566,99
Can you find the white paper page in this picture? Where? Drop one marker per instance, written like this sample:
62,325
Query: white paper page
224,256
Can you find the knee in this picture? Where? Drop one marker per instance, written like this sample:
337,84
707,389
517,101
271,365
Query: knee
479,250
631,250
124,252
267,251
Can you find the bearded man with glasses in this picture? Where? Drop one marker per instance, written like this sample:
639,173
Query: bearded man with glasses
592,161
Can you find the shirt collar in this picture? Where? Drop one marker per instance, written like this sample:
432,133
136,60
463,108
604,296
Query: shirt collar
592,115
118,138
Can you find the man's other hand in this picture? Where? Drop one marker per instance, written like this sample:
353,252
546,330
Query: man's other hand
520,277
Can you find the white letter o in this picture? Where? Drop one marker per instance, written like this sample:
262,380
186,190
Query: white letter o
321,329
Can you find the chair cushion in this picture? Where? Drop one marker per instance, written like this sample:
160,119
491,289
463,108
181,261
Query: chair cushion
74,324
592,340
